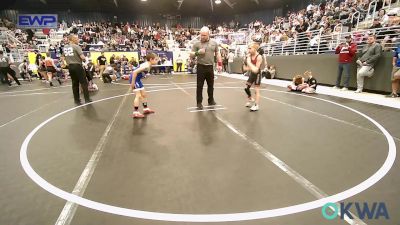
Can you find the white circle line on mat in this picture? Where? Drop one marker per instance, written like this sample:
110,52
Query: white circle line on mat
242,216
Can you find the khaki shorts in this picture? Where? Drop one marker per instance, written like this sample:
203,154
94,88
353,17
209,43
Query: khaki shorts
395,73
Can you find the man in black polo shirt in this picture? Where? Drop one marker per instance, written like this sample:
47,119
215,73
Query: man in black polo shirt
102,61
205,51
74,56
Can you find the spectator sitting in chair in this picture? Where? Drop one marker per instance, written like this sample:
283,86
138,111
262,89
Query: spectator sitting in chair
269,72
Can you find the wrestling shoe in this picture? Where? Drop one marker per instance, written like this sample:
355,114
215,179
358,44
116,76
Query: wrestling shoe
250,103
254,108
137,115
147,111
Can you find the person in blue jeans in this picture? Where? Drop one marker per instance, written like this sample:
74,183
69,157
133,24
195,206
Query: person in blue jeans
346,50
395,73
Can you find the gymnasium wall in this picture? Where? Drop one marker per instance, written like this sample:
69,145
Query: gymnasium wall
146,20
325,67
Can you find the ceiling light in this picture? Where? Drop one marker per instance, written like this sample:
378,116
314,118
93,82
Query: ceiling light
217,1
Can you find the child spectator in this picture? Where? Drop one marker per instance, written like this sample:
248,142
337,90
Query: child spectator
312,84
297,84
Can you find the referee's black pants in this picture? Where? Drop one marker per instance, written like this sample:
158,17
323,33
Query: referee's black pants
4,77
78,76
205,73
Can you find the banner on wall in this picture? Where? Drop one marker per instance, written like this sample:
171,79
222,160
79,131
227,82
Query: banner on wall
239,38
37,21
221,39
184,55
128,55
163,54
32,57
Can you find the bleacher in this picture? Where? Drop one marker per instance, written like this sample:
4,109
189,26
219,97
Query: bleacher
372,13
18,52
315,43
312,42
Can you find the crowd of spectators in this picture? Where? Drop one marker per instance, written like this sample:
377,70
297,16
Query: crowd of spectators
324,17
307,25
121,37
322,24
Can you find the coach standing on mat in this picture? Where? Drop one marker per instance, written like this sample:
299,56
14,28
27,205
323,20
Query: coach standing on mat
101,62
205,51
74,56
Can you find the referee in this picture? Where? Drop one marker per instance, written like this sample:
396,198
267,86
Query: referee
5,68
74,56
206,50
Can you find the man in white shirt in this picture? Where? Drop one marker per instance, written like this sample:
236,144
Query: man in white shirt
23,70
179,63
310,7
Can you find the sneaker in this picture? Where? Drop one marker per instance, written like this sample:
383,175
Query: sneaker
199,106
147,111
51,84
78,102
393,95
250,103
137,115
88,100
254,108
335,87
358,91
345,89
